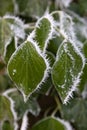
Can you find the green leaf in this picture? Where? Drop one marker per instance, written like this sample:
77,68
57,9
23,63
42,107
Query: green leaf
5,109
67,70
42,32
27,68
76,113
5,35
9,50
51,123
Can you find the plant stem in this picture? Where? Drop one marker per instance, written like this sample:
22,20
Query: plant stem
58,103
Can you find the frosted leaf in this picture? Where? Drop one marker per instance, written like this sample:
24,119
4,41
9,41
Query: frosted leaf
33,68
80,25
7,109
10,27
12,104
67,29
67,70
16,25
5,35
44,30
66,26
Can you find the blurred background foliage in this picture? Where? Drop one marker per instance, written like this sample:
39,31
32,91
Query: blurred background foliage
29,11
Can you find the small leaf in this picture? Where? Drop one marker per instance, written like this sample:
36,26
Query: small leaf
27,68
42,31
9,50
67,70
51,123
